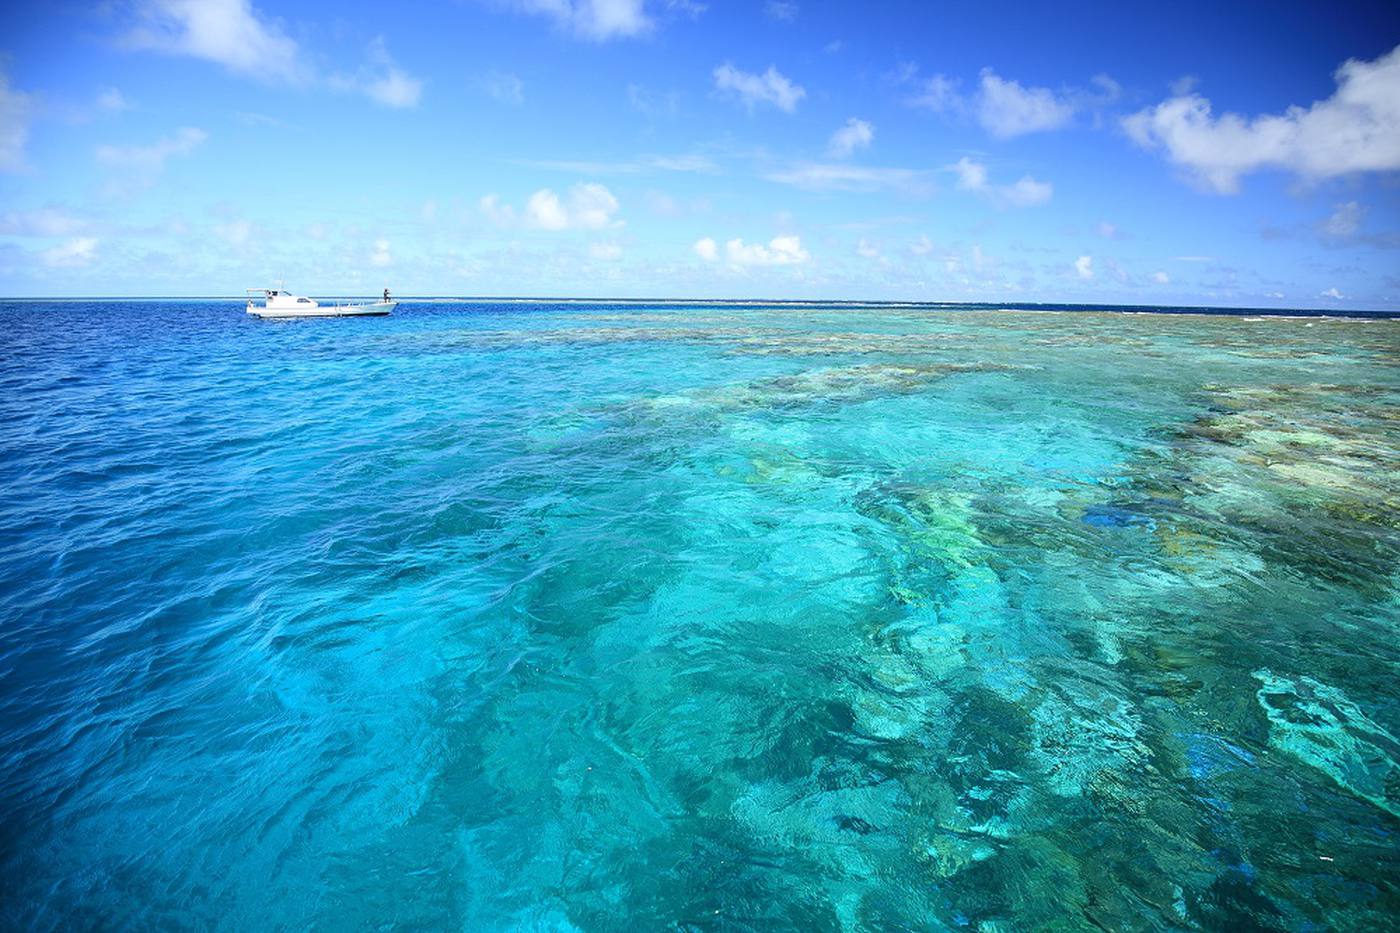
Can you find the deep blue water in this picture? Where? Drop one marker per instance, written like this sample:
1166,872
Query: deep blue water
530,615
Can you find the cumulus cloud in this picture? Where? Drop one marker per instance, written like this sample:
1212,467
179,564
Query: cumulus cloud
1161,278
229,32
1357,129
1084,266
1006,108
1025,192
587,207
15,108
752,89
593,20
855,134
74,254
1333,294
780,251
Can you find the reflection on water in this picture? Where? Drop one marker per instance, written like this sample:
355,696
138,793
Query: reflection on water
588,617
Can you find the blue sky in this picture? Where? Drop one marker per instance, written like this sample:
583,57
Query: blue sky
1234,154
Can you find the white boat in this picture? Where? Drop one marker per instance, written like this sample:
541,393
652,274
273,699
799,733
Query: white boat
278,302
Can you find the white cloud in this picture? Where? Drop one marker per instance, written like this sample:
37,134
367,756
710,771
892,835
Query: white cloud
503,86
1333,294
76,253
381,79
856,134
1107,230
780,251
229,32
653,104
820,176
46,222
1357,129
235,34
649,163
1084,266
112,100
587,207
594,20
866,250
607,252
1161,278
546,211
784,11
771,87
922,246
149,161
1345,220
381,256
1006,109
939,94
15,107
1025,192
236,232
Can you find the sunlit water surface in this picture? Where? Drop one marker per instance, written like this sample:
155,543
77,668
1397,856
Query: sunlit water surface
583,616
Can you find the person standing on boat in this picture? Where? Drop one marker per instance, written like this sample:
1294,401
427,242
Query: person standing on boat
386,296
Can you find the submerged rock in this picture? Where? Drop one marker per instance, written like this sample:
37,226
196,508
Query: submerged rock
1321,727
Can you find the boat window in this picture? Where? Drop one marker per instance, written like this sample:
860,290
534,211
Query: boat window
303,301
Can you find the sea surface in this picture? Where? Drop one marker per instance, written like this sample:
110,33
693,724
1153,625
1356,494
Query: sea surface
645,616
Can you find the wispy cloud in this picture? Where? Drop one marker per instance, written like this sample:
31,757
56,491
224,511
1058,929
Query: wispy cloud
238,36
15,110
503,86
229,32
825,176
1357,129
781,11
74,254
150,160
112,100
594,20
855,134
44,222
770,87
1344,221
684,162
1025,192
1004,107
1084,267
381,79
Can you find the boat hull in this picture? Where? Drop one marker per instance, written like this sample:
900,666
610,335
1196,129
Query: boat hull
375,309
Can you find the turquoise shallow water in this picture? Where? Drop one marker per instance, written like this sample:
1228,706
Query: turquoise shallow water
583,616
